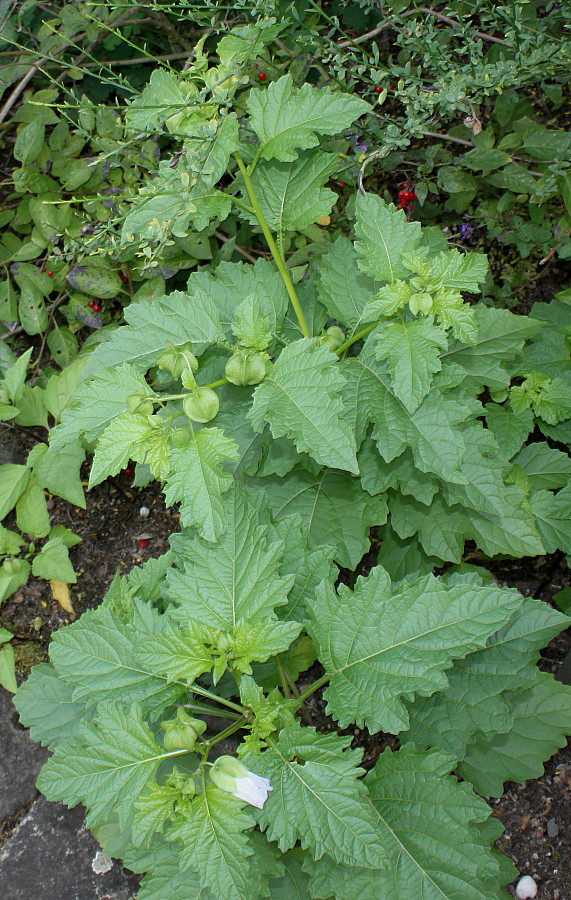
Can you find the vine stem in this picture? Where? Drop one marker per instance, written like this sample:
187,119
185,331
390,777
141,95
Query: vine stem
278,258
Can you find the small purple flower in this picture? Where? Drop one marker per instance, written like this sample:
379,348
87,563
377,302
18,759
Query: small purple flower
360,143
465,231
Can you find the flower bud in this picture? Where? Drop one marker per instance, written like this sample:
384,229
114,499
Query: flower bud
178,781
202,405
246,368
177,359
138,403
181,733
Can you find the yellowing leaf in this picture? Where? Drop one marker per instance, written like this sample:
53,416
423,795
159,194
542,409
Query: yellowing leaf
60,592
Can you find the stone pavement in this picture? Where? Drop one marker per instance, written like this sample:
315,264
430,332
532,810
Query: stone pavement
49,855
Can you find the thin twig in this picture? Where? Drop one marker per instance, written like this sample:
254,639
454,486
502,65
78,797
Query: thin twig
238,249
447,137
371,34
455,24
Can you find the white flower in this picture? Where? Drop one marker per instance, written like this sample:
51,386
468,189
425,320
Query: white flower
228,774
526,888
253,789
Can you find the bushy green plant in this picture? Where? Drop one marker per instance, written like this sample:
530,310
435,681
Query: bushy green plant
288,410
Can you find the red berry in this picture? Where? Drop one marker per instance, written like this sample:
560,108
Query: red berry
43,269
143,542
377,89
49,273
123,278
96,307
262,76
128,471
401,205
91,304
341,183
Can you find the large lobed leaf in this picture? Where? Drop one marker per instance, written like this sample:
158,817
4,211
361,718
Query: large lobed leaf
318,797
382,644
431,828
383,235
287,119
301,398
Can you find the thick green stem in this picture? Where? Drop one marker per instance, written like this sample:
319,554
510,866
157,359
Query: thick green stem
357,337
202,692
313,688
273,248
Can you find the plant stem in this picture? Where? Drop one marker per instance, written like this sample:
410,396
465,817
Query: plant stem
202,692
211,711
283,678
314,687
357,337
227,732
278,258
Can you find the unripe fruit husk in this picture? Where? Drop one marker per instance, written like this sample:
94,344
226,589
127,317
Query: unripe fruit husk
202,405
246,368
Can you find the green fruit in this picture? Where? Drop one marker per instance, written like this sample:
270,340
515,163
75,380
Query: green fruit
421,303
246,368
177,359
138,403
202,405
332,339
181,733
179,438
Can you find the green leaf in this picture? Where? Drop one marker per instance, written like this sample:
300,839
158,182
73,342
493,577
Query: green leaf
308,567
161,101
437,445
32,409
214,843
60,388
10,542
292,194
177,655
318,797
509,429
95,279
197,481
52,562
116,445
343,289
287,119
95,404
108,769
365,637
7,669
60,473
476,703
383,234
541,723
13,483
403,558
178,318
300,398
10,582
46,706
62,344
238,578
232,280
430,827
32,514
294,883
545,467
333,507
15,376
501,336
553,517
32,310
411,350
166,880
30,141
100,656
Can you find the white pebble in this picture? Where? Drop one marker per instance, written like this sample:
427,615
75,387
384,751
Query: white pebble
144,512
526,888
101,863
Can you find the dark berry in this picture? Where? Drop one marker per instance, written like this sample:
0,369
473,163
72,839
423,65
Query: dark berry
262,76
128,471
123,278
43,269
378,89
341,183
